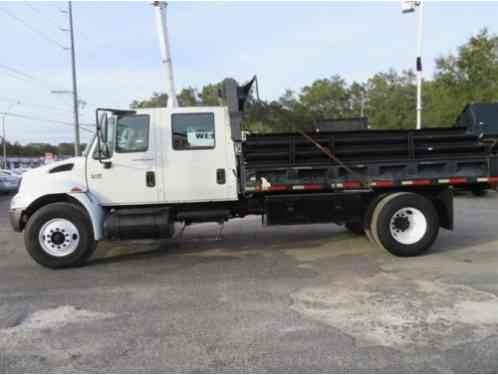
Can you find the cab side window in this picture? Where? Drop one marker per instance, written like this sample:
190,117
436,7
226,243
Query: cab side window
193,131
132,133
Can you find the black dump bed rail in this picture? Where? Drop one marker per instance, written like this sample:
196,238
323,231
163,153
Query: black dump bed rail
372,158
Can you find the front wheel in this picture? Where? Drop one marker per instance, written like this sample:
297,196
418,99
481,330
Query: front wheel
59,235
405,224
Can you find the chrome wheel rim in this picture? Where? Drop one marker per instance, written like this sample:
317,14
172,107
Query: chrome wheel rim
59,237
408,225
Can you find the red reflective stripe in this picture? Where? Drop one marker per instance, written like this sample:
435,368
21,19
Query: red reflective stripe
312,187
383,183
278,187
457,180
351,184
76,190
421,182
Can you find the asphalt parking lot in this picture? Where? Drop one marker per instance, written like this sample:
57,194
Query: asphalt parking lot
303,298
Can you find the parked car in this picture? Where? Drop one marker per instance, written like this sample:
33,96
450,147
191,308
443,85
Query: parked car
9,181
20,171
12,172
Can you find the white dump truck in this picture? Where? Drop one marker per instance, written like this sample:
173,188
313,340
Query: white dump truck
148,169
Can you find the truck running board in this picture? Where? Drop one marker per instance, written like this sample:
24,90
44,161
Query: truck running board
203,216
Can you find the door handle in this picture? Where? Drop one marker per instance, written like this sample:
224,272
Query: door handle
150,179
220,176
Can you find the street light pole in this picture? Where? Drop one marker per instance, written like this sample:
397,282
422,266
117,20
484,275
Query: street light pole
362,108
408,6
420,9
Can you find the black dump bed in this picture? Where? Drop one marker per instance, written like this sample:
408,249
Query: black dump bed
365,158
480,118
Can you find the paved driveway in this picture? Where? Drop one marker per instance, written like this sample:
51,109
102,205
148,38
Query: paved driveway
301,298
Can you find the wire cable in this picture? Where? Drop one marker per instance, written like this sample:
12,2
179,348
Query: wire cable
18,74
16,71
17,77
30,104
11,114
36,31
36,10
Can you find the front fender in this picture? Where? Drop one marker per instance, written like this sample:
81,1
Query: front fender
95,212
22,205
33,192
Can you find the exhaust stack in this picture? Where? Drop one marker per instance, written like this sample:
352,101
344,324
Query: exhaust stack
162,30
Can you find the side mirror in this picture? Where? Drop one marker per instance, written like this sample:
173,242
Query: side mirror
103,151
103,127
106,130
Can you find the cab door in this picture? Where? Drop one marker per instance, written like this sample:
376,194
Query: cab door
199,159
127,176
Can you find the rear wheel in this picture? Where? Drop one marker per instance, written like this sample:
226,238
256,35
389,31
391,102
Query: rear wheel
405,224
59,235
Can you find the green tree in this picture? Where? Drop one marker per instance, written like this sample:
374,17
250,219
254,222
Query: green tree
391,100
469,76
210,94
188,97
157,100
358,99
388,98
327,98
65,148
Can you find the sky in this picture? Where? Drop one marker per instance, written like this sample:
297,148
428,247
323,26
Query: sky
287,44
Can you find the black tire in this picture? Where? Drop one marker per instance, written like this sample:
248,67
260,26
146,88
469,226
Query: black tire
72,213
367,220
388,208
369,235
356,228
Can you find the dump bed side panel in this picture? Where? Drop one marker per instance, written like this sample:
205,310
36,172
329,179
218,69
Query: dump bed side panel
365,158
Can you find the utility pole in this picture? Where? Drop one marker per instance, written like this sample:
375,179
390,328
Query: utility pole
408,6
4,140
75,85
4,143
162,30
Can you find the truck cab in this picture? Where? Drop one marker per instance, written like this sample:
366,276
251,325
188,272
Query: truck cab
163,156
143,170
